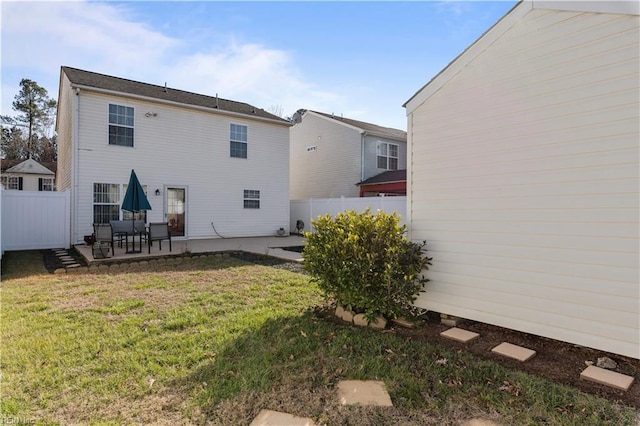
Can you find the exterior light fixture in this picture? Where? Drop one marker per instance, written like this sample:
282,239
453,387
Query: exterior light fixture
157,192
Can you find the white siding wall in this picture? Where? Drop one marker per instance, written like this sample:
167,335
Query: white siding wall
523,178
371,155
64,122
334,168
186,147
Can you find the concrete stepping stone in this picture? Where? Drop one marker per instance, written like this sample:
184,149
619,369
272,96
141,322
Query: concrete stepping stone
479,422
514,351
459,334
363,392
607,377
276,418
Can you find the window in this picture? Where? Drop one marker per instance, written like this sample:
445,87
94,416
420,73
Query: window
238,137
107,199
106,202
120,125
46,184
12,182
387,156
251,199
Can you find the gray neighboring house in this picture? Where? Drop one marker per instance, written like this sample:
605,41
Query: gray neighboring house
331,155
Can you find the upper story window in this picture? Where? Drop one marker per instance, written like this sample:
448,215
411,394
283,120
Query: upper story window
12,182
238,138
387,156
120,125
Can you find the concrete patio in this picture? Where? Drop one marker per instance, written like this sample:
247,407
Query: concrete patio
271,246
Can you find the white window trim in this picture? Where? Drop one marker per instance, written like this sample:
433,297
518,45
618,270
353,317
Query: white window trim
238,141
109,123
388,155
252,196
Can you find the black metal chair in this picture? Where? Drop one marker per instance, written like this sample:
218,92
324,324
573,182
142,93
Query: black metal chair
157,232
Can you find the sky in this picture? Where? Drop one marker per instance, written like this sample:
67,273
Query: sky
359,59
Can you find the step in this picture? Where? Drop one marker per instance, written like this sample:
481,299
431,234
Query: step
459,334
514,351
363,392
276,418
607,377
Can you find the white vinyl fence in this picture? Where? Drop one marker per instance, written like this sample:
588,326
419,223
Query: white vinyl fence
311,208
33,220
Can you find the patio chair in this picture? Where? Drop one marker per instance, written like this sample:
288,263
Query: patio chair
120,229
157,232
103,235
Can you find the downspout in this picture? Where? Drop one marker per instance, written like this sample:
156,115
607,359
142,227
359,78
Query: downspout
362,156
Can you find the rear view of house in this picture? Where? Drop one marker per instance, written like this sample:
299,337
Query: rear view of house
210,167
331,155
523,175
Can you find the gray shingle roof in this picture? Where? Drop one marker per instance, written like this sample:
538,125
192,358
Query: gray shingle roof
368,127
386,177
122,85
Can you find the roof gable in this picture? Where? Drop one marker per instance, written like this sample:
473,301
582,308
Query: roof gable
29,166
364,127
101,82
502,26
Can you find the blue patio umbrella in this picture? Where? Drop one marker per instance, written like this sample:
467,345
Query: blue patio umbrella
135,200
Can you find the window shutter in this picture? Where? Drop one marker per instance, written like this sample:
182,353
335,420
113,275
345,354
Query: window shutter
39,184
20,183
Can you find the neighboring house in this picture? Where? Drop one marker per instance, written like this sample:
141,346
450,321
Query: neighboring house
331,155
211,167
523,175
28,175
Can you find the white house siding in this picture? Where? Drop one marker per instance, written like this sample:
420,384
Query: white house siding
334,168
63,130
183,146
523,178
371,155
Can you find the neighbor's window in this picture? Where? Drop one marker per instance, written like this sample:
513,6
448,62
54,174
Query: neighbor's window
46,184
106,202
387,156
238,137
12,182
120,125
251,199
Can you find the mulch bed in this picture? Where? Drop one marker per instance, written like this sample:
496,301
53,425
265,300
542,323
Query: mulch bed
557,361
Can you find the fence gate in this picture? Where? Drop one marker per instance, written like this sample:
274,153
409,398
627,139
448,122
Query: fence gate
33,220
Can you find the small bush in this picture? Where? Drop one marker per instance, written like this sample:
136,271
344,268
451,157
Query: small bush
365,262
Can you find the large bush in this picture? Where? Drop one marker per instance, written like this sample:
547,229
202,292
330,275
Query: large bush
365,262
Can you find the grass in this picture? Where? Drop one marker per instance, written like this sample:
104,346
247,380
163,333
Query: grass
215,340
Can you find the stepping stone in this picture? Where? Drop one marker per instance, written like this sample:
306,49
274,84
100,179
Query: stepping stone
73,265
459,334
514,351
607,377
479,422
363,392
276,418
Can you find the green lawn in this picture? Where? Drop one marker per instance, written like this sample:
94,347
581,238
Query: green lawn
215,340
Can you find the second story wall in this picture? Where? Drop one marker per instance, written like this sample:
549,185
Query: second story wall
326,159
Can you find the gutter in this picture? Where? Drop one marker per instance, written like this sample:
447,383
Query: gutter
179,104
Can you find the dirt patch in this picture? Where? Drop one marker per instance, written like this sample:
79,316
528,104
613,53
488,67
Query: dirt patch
557,361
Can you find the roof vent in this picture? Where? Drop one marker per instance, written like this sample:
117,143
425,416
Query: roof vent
217,101
165,87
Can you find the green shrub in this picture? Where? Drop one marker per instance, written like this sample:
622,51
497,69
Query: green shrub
365,262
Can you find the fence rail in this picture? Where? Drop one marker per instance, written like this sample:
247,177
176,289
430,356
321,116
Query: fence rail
311,208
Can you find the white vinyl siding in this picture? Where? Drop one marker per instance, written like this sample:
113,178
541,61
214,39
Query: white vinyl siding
333,167
200,162
524,179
